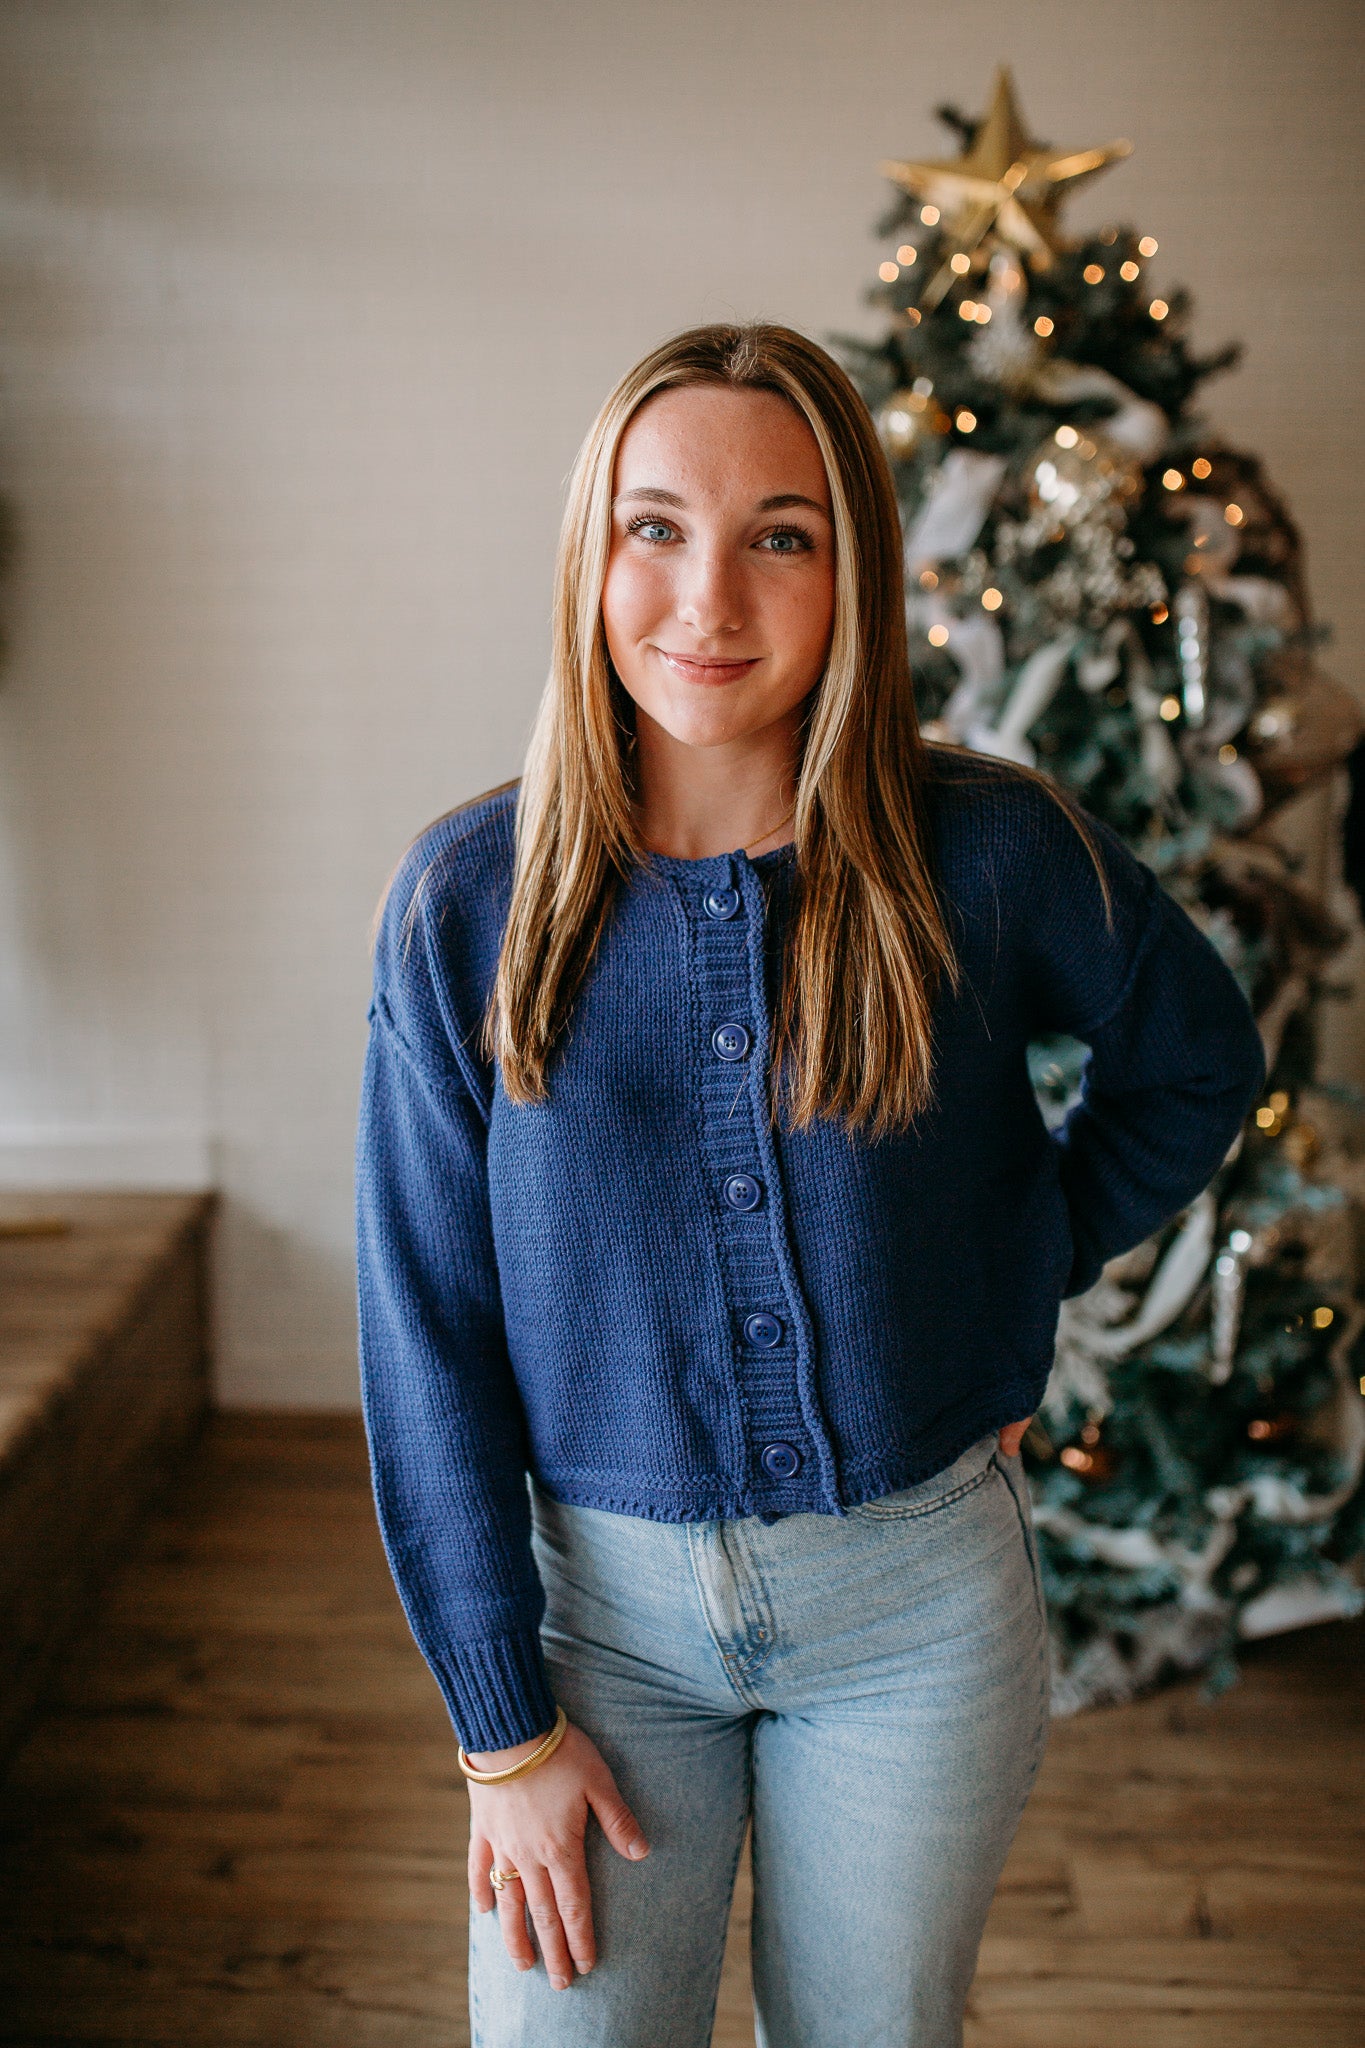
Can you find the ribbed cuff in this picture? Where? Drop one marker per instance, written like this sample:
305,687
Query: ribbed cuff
497,1690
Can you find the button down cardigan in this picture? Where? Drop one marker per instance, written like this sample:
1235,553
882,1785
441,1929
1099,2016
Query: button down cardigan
659,1304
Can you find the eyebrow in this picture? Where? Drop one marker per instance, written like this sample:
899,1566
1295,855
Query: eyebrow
782,502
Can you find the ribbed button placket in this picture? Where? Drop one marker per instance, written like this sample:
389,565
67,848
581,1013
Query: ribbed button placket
763,1321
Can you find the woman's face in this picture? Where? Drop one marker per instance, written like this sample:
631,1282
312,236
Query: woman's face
719,596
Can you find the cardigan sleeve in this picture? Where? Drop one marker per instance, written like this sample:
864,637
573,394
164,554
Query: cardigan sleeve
442,1412
1176,1058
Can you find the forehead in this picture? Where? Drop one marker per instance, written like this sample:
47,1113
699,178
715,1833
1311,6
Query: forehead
711,440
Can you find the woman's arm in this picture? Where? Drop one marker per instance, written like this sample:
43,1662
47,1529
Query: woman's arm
1176,1057
447,1452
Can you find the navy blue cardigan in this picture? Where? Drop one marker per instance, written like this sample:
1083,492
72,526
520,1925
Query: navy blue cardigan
660,1305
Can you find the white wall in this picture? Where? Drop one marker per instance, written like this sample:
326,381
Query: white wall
305,306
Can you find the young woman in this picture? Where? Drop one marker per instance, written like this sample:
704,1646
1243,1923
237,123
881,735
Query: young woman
711,1242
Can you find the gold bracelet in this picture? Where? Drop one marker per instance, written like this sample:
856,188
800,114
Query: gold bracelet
539,1755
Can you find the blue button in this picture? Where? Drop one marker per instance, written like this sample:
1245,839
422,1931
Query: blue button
730,1041
780,1461
763,1330
721,903
742,1191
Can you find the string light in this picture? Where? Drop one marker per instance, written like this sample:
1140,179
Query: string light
889,272
983,316
1170,708
1322,1317
1158,309
966,421
1233,514
1160,614
929,215
1147,246
928,579
992,599
960,263
907,254
1093,273
1201,466
1128,271
1109,236
1042,325
1066,437
967,310
938,636
1227,753
1173,480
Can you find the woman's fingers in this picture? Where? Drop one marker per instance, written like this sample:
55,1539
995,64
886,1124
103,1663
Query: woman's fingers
554,1948
480,1861
569,1876
615,1818
512,1918
1012,1435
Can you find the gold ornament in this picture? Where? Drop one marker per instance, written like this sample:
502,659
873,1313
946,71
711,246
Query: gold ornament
1006,184
1076,475
906,420
1305,725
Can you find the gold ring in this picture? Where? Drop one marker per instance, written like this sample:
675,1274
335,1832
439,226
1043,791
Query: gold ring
498,1878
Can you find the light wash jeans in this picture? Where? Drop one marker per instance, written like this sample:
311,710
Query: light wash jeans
871,1692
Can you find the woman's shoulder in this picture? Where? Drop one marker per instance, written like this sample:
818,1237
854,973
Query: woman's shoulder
439,926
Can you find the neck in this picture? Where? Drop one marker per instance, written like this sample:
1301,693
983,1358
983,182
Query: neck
695,802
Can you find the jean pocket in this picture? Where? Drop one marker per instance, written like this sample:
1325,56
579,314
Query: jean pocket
952,1484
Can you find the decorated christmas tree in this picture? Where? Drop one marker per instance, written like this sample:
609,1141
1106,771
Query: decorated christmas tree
1102,588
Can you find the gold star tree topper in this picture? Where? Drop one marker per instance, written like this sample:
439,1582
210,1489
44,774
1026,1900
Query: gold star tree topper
1006,183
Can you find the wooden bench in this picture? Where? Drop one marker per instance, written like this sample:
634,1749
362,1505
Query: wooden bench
104,1382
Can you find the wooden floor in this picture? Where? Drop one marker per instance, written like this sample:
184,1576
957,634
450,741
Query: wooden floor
240,1819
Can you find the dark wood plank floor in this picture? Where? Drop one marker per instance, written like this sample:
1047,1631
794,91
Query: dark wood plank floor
240,1821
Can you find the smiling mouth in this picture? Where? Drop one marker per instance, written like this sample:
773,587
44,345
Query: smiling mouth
700,668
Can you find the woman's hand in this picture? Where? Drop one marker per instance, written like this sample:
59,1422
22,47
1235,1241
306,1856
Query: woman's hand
536,1826
1012,1435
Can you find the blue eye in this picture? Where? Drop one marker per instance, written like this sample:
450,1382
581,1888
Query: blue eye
652,530
788,540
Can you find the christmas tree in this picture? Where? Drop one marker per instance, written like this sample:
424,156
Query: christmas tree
1103,589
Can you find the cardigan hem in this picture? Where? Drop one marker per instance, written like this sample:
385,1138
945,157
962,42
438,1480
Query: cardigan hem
876,1474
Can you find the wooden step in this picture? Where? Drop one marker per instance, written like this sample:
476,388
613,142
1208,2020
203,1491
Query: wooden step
104,1383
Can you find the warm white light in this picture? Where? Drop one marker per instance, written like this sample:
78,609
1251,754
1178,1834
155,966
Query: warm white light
1128,271
1042,325
929,215
983,316
1170,708
1158,309
1233,514
928,579
889,272
1173,480
1201,466
960,263
1093,273
1227,753
1066,437
1147,246
966,421
938,636
992,599
967,310
907,254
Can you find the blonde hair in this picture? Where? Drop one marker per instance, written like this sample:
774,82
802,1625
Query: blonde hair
868,943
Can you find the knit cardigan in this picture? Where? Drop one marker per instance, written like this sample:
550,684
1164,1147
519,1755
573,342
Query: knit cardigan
660,1302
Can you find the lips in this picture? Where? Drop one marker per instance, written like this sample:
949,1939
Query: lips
702,669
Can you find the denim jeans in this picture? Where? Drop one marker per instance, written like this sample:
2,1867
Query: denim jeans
870,1692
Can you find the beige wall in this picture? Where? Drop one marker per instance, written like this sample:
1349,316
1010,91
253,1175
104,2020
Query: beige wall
305,306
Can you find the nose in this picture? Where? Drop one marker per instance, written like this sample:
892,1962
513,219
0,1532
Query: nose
710,596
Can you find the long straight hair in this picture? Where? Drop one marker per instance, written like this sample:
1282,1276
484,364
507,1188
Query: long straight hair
868,944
